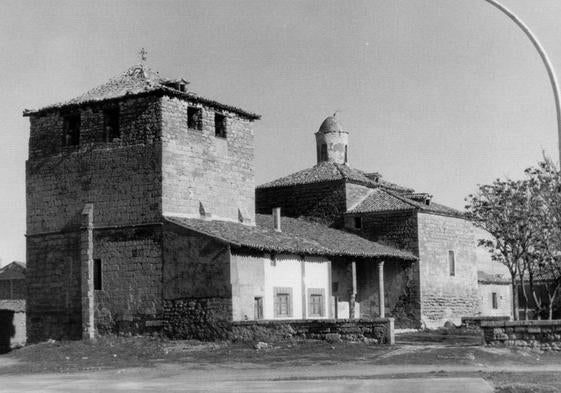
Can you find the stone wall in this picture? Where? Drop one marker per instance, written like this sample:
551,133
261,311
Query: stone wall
504,299
122,178
198,318
123,183
475,322
544,335
139,122
324,201
399,292
131,265
195,266
54,293
199,167
446,297
398,229
12,289
379,330
402,284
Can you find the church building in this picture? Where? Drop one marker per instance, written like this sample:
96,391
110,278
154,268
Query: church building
141,217
441,285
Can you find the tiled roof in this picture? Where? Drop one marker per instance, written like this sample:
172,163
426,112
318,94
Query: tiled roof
487,278
16,305
382,200
329,171
13,271
340,242
298,236
137,80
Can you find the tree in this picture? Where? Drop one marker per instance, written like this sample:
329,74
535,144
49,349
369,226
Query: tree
545,184
502,210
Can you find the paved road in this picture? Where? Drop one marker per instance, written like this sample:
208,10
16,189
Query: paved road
184,383
247,377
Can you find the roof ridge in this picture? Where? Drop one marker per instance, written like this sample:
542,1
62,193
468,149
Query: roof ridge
367,195
401,198
340,171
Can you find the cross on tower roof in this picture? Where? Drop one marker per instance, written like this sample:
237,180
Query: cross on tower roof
142,54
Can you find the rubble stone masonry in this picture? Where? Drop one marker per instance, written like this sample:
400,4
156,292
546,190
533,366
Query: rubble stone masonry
202,168
155,166
542,335
446,297
323,201
122,179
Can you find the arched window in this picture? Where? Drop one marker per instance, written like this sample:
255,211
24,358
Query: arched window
346,157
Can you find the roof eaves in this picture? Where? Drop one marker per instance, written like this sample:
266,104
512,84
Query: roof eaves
157,90
272,185
201,231
444,214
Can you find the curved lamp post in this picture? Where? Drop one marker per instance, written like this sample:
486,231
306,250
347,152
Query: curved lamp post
545,59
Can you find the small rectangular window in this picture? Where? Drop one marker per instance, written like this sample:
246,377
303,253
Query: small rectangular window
452,263
283,302
111,124
494,301
316,302
195,118
258,302
97,274
220,125
71,130
357,222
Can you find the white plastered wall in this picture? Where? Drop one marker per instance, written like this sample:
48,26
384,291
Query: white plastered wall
254,276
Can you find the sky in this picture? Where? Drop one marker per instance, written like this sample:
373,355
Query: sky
438,95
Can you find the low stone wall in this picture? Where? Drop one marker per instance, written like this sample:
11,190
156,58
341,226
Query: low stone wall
204,319
544,335
475,322
210,319
380,330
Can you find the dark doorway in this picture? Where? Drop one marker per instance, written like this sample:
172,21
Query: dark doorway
7,329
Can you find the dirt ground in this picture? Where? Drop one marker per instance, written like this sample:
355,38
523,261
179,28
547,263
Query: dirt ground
442,354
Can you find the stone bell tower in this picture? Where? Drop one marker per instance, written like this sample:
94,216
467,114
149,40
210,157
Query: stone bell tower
332,142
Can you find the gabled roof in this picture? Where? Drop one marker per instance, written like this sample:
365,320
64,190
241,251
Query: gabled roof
13,271
138,80
297,236
380,200
330,171
339,242
384,200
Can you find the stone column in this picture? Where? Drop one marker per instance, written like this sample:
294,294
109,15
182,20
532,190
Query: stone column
86,259
381,297
353,293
